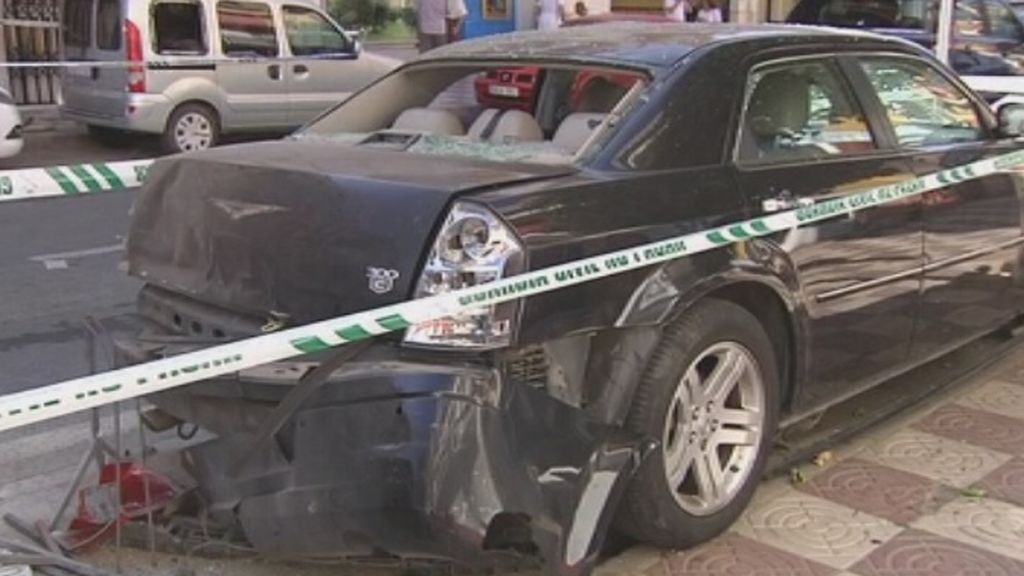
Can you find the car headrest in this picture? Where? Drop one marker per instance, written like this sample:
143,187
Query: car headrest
780,102
575,129
506,126
429,120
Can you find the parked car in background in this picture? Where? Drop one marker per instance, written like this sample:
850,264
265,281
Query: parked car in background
647,400
294,63
11,127
988,36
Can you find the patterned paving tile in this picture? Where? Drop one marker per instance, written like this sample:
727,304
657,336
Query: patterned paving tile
1006,482
915,553
975,426
814,528
983,522
953,463
734,555
997,397
898,496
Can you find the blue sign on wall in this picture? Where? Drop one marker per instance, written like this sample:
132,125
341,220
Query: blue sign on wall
488,17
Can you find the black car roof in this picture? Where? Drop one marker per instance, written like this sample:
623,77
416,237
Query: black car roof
654,46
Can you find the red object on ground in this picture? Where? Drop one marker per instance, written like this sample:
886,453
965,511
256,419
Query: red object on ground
97,514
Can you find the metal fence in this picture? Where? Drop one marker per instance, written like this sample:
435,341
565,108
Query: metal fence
30,32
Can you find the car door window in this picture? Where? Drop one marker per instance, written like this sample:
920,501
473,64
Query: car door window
924,108
108,25
968,19
310,34
1004,23
799,111
178,28
246,29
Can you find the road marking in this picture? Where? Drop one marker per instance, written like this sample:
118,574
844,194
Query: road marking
59,260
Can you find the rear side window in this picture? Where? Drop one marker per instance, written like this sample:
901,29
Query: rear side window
924,108
801,111
108,25
246,29
864,13
178,28
1004,22
77,23
309,33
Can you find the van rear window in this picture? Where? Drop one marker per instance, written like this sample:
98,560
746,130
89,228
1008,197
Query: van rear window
77,23
108,25
178,28
246,29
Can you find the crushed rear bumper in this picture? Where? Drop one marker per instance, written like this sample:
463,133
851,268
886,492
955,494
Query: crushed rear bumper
415,459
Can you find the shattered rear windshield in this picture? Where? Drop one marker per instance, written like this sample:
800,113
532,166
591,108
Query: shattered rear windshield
506,112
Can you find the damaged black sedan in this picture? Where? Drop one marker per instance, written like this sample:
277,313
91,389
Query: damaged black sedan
644,402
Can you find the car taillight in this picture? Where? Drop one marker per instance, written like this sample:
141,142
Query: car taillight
136,67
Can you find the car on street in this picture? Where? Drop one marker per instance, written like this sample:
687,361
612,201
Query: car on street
10,126
988,35
199,69
644,402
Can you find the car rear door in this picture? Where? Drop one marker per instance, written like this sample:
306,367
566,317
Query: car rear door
324,68
806,137
255,88
972,229
93,31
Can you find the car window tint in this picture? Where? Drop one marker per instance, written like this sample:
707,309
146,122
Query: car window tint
77,23
246,29
801,111
924,108
968,19
309,33
178,28
108,25
863,13
1003,22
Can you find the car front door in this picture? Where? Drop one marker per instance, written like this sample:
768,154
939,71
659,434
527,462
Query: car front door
972,229
325,66
805,138
254,86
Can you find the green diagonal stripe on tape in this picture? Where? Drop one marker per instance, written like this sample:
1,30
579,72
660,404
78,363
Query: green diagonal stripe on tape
86,392
62,180
394,322
739,232
86,178
112,178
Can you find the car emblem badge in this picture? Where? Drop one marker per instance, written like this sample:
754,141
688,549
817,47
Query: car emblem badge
382,280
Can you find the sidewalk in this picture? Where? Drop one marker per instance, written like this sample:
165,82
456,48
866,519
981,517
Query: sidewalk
937,492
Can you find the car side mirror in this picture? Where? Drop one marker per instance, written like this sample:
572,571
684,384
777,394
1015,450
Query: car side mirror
1011,120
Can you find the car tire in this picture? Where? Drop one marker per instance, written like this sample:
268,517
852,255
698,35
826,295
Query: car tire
676,499
111,137
190,128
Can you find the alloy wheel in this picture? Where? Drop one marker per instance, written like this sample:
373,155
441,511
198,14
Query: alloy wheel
714,428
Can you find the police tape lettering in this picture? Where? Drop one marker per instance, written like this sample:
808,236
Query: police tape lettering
55,400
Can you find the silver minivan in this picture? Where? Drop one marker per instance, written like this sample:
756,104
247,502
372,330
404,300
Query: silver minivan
287,62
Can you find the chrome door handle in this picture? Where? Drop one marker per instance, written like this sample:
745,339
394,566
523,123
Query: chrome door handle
785,201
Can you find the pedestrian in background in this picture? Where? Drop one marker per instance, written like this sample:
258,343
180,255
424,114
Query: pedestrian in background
710,12
551,14
439,22
677,10
580,9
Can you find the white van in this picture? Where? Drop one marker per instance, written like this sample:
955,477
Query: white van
297,63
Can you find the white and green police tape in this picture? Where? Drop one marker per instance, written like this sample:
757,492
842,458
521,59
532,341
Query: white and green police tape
87,392
71,180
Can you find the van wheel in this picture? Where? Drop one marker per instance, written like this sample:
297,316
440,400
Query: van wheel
191,127
111,137
710,396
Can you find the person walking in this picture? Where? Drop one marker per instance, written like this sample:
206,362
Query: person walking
677,10
710,12
551,14
439,22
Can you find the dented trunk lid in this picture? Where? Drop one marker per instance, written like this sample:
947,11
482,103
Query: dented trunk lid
301,230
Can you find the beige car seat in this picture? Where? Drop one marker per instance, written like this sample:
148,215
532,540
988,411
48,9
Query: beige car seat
430,121
505,126
573,132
